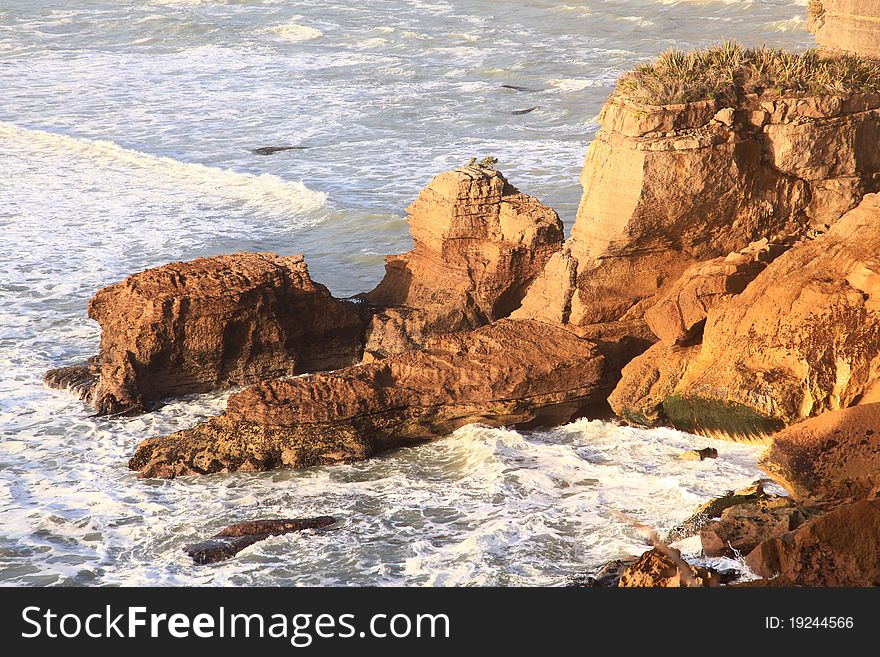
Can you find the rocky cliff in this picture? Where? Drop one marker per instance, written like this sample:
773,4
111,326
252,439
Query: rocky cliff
846,25
802,338
508,373
666,187
478,245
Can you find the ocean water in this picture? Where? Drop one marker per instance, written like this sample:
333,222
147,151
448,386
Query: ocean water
126,131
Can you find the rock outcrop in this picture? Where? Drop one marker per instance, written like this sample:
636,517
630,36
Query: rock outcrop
851,26
838,548
832,456
741,528
665,568
211,323
801,339
666,187
478,245
680,314
507,373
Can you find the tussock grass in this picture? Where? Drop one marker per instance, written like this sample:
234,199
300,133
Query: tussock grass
724,70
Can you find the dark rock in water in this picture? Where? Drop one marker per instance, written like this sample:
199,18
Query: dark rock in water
78,379
700,454
518,88
524,111
606,577
235,538
269,150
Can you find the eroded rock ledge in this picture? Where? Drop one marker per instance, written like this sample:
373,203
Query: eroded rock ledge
211,323
508,373
801,339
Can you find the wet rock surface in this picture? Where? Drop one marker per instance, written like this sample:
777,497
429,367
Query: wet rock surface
233,539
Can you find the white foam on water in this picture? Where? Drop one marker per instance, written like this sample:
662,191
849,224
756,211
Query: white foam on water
295,32
267,192
177,180
572,85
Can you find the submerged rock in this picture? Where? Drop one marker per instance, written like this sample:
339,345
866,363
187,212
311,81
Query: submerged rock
508,373
233,539
832,456
211,323
478,245
699,454
270,150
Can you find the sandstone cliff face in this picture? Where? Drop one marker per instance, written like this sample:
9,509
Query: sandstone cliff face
666,187
801,339
846,25
478,245
215,322
678,319
508,373
832,456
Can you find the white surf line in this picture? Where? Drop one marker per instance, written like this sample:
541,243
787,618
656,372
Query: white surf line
264,192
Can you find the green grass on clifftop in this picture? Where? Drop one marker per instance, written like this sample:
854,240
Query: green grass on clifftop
722,71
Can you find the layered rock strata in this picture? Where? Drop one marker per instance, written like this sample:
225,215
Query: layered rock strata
666,187
211,323
851,26
507,373
478,245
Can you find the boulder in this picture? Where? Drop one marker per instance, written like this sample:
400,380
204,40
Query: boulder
478,245
834,455
507,373
214,322
838,548
742,527
233,539
665,568
648,380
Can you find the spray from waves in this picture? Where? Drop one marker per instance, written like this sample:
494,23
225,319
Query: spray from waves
266,193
